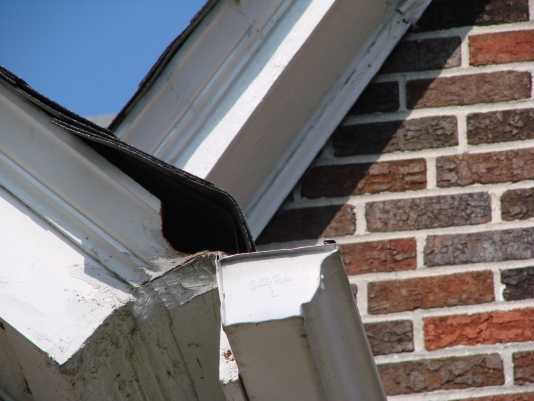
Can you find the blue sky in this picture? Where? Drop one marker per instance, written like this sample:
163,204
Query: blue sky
88,55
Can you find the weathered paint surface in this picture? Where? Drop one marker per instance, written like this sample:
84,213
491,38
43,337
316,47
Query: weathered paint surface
52,293
72,330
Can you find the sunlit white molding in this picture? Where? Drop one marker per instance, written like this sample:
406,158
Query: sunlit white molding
97,207
53,297
294,328
257,89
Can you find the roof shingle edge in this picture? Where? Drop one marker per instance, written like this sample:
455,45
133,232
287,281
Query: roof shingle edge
196,215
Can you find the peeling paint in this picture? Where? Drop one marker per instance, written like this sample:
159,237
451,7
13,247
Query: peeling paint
178,286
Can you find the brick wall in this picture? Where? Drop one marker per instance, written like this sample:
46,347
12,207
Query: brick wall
428,187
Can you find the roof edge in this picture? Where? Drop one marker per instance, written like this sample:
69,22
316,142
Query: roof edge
162,62
196,215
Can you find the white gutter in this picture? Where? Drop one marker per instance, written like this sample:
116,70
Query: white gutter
294,328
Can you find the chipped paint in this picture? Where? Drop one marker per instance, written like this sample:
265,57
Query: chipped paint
177,286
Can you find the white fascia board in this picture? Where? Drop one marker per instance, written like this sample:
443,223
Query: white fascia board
94,204
258,88
294,328
191,87
94,303
72,330
51,292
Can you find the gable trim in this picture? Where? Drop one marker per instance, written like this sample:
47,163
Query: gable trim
257,89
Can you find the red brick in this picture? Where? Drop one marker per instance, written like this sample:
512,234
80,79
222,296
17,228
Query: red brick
357,179
481,328
517,204
501,47
394,136
309,223
380,97
489,246
390,337
505,397
500,126
468,89
379,256
446,14
422,55
442,374
428,212
485,168
523,367
430,292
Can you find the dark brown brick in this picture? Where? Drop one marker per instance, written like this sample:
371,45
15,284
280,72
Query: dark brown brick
380,97
517,204
490,246
523,367
309,223
379,256
519,283
395,136
429,212
485,168
422,55
442,374
500,126
501,47
445,14
430,292
390,337
468,89
505,397
357,179
481,328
